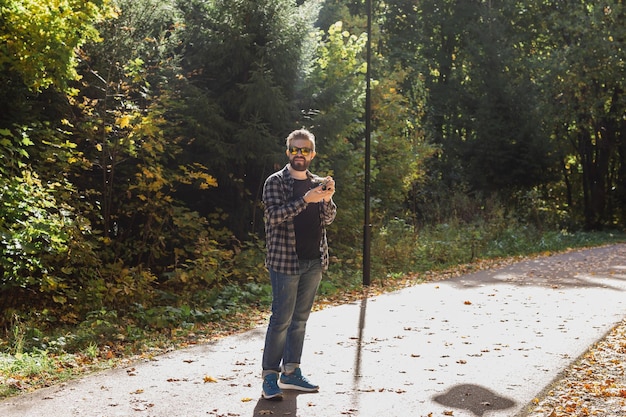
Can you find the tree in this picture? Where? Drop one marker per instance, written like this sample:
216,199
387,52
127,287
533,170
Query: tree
38,225
127,116
482,109
38,39
584,78
246,60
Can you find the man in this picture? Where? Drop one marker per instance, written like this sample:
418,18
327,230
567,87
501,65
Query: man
298,207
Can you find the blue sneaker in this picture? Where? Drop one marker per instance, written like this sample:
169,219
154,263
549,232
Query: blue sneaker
271,391
296,381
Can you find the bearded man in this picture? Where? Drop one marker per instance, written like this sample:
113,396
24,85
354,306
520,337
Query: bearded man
298,206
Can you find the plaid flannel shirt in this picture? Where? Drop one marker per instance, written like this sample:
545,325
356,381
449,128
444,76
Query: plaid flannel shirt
280,210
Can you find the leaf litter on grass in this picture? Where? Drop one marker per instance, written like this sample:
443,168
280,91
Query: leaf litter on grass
595,385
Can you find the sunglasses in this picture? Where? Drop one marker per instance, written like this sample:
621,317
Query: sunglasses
304,151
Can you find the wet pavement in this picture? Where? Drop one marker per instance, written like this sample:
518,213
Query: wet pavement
482,344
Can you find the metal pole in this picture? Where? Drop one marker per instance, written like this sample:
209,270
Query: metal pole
367,227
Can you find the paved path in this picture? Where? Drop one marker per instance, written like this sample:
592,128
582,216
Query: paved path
483,344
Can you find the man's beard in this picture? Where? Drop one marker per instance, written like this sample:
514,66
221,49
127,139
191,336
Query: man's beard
300,164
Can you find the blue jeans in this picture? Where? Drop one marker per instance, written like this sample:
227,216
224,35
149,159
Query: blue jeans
293,297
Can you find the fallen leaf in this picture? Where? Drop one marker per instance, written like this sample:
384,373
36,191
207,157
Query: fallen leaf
246,400
209,379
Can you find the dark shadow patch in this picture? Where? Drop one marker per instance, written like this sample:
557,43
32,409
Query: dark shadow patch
576,269
288,406
474,398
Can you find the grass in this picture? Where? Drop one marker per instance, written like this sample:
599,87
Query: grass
37,369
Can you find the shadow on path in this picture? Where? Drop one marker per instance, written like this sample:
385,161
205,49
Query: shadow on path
359,349
589,268
288,406
474,398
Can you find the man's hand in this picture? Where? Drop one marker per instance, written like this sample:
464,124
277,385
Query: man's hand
317,194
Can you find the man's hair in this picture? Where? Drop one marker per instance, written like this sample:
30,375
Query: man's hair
300,134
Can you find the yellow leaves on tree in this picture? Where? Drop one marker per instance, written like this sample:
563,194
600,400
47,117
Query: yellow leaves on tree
40,38
196,174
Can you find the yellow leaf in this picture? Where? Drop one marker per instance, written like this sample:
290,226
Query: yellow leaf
246,400
123,121
208,378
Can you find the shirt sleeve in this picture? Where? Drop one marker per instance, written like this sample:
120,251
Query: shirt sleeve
278,206
329,212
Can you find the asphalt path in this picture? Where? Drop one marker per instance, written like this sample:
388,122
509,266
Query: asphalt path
482,344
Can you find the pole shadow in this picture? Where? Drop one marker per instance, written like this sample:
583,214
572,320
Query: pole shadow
359,345
359,349
474,398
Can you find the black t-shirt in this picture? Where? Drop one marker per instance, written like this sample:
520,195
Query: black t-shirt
307,224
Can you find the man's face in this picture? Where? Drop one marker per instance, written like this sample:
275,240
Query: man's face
298,160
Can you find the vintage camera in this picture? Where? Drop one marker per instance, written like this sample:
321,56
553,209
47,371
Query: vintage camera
323,183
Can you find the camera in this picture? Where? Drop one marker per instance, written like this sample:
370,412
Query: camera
323,183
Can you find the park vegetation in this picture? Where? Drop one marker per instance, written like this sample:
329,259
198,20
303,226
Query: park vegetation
135,137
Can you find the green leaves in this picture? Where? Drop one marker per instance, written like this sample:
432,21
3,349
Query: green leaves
31,231
39,38
583,80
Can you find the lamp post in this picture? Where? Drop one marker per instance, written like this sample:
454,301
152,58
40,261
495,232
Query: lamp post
367,226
